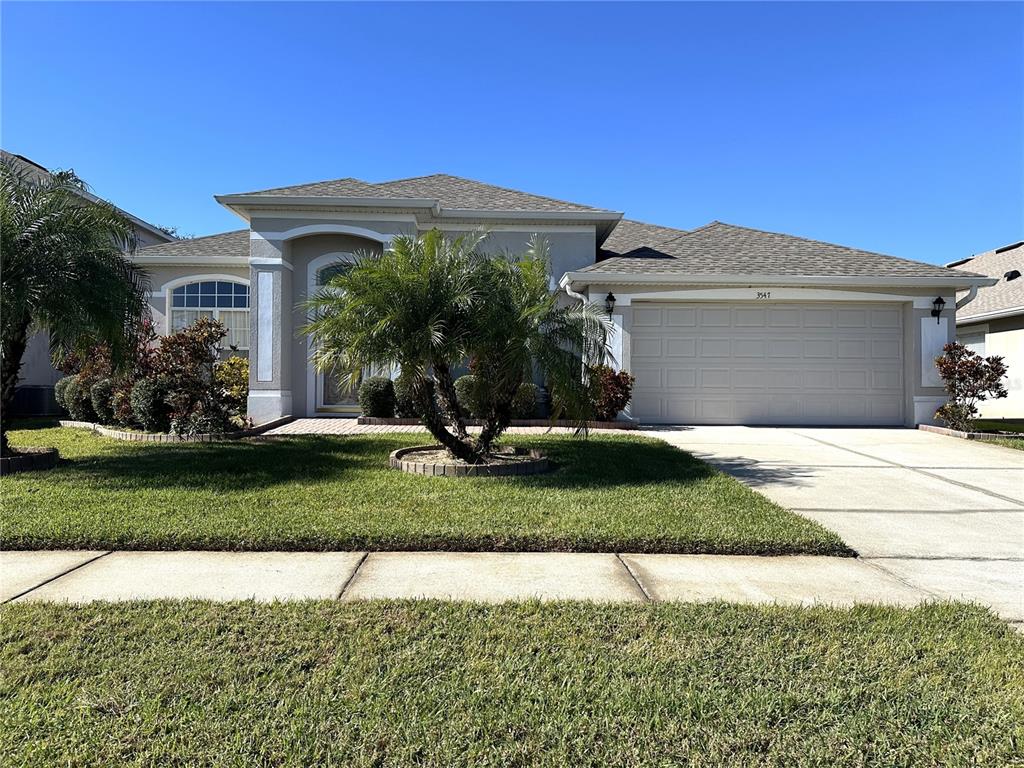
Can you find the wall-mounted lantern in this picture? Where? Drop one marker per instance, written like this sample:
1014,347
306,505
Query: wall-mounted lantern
609,303
937,306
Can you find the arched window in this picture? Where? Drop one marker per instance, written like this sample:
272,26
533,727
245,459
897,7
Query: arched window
221,300
326,274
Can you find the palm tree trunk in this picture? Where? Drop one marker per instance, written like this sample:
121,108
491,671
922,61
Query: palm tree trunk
12,352
434,422
449,401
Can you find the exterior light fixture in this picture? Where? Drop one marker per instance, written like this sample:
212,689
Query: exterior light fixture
609,303
937,306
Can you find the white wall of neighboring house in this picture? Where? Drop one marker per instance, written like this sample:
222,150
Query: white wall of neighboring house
1005,338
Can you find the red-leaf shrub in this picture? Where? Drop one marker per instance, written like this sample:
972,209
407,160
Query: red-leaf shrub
969,379
612,392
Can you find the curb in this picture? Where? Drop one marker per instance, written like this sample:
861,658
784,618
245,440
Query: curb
979,436
163,437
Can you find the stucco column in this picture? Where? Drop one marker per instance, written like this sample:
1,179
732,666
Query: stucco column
270,331
929,335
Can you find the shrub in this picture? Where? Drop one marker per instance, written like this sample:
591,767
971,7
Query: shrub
377,397
101,395
524,404
78,400
185,363
405,408
231,376
612,392
466,395
121,404
205,420
149,410
969,379
60,390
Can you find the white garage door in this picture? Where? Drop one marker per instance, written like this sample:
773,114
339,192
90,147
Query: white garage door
785,363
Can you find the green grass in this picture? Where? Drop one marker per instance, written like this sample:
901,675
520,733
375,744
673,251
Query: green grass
331,493
1003,425
457,684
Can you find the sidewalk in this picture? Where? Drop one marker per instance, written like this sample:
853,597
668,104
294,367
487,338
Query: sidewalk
82,576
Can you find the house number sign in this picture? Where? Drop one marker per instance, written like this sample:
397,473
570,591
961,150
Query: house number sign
764,294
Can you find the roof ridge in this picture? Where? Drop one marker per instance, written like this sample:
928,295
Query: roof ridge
495,186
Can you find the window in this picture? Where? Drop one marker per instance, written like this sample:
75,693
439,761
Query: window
219,299
325,275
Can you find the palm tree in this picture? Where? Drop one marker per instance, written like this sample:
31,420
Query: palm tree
429,303
64,271
522,327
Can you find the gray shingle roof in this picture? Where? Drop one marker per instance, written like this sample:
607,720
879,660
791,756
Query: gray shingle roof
451,191
630,235
726,249
1004,295
226,244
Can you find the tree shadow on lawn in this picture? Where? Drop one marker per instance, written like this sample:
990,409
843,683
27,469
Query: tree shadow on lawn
249,465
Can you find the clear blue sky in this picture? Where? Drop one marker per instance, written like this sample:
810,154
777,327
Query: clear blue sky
897,128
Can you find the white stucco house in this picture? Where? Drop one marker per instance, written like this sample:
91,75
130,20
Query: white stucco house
993,324
720,325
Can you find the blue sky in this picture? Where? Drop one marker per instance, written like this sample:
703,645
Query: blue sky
896,128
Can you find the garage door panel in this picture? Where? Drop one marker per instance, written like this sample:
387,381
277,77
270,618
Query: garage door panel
776,364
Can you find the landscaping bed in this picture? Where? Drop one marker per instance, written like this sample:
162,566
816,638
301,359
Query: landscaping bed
1009,434
457,684
608,493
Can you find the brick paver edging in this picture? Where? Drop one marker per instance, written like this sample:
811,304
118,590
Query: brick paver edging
405,460
377,421
28,460
161,437
980,436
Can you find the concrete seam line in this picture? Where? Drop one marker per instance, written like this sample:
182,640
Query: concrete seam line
876,511
635,579
62,573
902,580
947,557
352,575
968,486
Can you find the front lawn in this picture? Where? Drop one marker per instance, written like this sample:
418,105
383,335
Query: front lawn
609,493
459,684
1003,425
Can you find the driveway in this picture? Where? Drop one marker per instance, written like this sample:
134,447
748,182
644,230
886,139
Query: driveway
941,514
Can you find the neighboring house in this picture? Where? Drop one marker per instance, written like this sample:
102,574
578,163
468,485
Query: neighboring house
34,394
993,323
720,325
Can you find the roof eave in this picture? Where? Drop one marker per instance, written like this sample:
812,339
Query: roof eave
996,314
574,279
243,204
219,261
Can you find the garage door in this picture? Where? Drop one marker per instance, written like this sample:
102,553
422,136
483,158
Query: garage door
786,363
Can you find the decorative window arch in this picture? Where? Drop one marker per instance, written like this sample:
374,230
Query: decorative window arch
222,297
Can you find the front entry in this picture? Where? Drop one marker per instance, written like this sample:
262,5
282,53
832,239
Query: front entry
334,396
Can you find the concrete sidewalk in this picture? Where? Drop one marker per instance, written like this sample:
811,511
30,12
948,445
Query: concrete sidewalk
485,576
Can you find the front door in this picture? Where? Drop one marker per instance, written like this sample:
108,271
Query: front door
333,396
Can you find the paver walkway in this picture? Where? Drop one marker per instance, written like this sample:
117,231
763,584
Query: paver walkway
941,514
346,426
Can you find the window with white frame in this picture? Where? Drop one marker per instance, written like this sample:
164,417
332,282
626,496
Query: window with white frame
222,300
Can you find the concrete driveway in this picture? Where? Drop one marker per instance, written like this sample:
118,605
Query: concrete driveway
941,514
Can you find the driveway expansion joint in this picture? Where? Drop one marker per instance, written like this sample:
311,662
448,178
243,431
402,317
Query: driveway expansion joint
635,578
63,573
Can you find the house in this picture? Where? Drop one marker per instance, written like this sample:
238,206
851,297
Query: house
993,323
720,325
34,393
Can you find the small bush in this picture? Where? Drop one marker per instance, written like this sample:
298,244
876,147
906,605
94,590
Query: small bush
404,406
524,404
121,404
205,420
232,377
613,391
78,400
969,379
466,395
377,397
101,395
60,390
149,410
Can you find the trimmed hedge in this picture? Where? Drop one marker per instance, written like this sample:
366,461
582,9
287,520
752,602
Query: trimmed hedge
101,395
377,397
